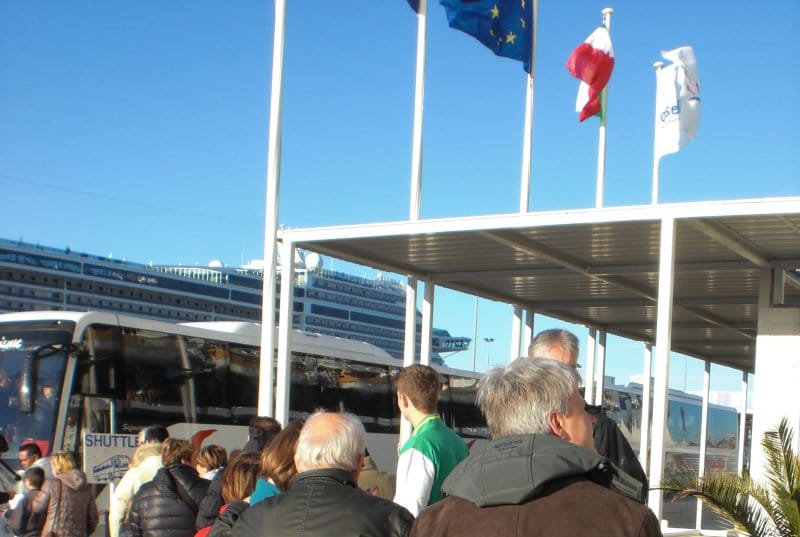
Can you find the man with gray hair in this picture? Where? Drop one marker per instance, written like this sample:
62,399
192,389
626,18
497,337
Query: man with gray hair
562,345
556,344
540,474
324,499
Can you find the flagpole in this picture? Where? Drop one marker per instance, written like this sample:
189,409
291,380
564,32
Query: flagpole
409,346
601,145
419,98
656,157
266,373
527,135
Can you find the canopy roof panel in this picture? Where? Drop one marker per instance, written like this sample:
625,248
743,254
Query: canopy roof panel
600,267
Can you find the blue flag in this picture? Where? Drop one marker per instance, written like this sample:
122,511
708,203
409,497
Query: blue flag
505,26
414,4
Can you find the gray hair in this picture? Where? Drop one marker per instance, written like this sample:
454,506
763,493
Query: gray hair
554,337
331,445
518,398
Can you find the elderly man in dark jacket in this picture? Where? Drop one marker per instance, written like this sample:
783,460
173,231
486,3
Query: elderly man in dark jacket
540,475
167,505
562,345
324,499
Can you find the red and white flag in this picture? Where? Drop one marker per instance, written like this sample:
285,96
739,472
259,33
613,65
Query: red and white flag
592,61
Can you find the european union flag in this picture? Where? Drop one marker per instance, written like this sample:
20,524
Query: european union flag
505,26
414,5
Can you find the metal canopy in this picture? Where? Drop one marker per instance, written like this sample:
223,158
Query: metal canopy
599,267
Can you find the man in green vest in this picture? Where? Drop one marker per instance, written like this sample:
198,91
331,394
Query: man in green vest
433,450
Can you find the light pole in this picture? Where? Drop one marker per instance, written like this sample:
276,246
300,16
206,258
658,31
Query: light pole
489,341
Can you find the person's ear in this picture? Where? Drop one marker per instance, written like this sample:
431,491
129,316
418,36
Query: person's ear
356,472
402,400
296,465
556,428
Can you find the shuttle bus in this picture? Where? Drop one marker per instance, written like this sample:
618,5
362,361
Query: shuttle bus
67,374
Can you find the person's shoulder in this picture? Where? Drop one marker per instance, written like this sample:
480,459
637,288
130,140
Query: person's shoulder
603,498
34,495
439,429
436,517
257,512
351,494
432,431
44,464
383,507
38,500
51,483
149,488
603,420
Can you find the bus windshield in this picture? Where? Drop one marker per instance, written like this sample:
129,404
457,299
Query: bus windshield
32,360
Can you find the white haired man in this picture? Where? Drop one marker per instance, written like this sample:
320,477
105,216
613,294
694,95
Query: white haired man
324,499
562,345
540,474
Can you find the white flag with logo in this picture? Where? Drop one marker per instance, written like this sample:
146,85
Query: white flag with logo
677,101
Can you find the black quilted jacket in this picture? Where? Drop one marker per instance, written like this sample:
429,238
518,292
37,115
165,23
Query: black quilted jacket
167,505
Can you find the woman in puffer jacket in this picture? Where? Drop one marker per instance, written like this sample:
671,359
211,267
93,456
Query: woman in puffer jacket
71,511
167,505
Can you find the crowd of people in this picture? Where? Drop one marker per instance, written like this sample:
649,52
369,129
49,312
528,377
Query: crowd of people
553,466
57,499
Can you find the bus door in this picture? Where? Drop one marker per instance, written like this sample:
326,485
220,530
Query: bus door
88,414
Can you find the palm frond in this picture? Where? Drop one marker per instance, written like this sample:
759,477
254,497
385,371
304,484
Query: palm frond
760,509
783,474
728,495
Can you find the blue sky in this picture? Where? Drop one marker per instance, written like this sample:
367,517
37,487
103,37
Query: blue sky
138,129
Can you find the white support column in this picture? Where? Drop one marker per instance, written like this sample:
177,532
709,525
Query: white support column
644,435
600,367
284,329
516,334
777,371
588,372
427,324
703,437
475,338
409,344
410,340
663,344
527,331
743,424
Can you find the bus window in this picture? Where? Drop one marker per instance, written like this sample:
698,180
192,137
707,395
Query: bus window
141,371
152,368
366,390
225,377
45,349
457,405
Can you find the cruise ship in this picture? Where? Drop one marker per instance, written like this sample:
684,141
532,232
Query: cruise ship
34,277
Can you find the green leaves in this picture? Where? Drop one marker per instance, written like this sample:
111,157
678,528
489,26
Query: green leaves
760,509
